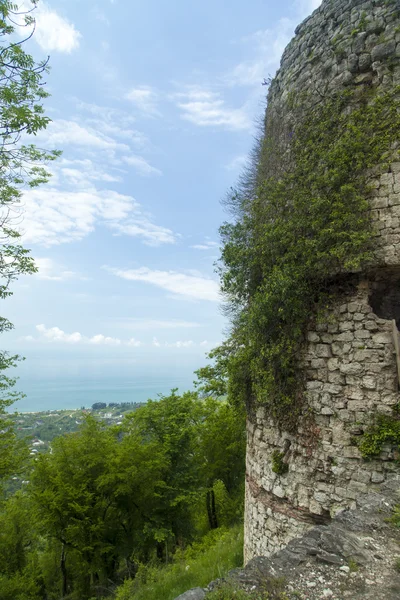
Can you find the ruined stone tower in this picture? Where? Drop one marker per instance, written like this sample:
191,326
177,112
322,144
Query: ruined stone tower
350,360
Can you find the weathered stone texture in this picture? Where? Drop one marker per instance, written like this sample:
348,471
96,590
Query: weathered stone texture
349,362
349,377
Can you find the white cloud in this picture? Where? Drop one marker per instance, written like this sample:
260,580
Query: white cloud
141,165
207,245
49,270
190,286
99,340
208,109
144,99
180,344
55,334
54,33
112,122
82,172
53,217
152,235
61,132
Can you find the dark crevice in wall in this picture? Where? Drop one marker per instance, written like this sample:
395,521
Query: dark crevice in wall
384,297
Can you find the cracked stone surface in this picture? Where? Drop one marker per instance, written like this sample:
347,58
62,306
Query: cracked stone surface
351,558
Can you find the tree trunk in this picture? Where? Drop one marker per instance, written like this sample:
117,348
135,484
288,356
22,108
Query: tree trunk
63,568
211,511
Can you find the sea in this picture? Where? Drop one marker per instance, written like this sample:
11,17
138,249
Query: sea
76,392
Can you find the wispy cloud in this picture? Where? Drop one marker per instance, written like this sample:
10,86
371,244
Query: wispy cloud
141,165
207,245
207,108
80,172
54,33
267,47
190,286
141,226
51,271
61,132
144,98
53,217
112,122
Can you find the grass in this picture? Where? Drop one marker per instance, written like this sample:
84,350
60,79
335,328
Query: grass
213,557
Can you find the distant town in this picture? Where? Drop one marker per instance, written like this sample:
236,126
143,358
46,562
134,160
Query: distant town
40,428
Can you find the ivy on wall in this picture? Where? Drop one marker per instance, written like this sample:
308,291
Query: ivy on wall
303,225
384,431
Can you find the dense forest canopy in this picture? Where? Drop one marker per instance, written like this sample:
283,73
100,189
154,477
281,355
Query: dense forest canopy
107,500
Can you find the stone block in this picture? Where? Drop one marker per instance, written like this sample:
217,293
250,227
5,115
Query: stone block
333,364
382,338
377,477
312,336
369,382
351,452
323,351
362,334
353,368
383,50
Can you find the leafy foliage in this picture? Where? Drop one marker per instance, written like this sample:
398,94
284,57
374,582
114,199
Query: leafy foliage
305,222
385,430
21,114
278,464
104,501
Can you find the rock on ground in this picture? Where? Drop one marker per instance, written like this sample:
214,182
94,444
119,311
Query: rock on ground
194,594
352,558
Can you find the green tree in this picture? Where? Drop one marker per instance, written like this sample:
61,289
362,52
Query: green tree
20,577
173,423
74,501
95,497
21,166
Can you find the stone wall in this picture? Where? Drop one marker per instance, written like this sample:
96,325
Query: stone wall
351,372
349,363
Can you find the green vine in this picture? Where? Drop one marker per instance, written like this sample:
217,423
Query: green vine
385,430
278,465
302,225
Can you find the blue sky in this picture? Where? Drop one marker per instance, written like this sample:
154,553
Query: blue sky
154,105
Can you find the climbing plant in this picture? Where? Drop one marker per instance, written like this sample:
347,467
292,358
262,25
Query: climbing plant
384,430
304,224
